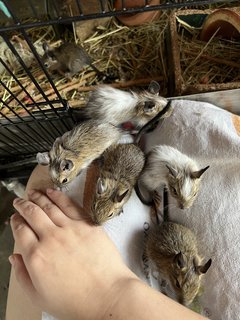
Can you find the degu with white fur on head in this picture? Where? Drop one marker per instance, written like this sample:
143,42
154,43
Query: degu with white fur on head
166,165
119,106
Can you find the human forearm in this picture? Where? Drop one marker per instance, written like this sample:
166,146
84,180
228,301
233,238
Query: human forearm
139,301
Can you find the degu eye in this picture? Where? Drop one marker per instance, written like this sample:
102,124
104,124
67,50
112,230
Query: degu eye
67,166
110,215
174,191
65,180
177,284
149,105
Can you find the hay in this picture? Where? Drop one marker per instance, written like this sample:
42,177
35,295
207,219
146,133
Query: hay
132,56
216,61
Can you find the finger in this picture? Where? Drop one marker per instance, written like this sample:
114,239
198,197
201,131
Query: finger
71,209
22,275
34,216
39,179
22,233
53,211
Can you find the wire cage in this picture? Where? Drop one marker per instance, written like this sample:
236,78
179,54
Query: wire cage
29,125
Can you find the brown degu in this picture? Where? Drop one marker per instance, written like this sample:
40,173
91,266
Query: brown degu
76,149
172,251
119,168
118,106
67,59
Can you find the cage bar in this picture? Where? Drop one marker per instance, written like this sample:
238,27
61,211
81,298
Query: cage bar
23,106
112,13
22,136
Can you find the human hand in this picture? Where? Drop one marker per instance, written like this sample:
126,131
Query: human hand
70,268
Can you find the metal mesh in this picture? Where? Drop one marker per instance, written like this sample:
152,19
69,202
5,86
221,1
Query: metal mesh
34,129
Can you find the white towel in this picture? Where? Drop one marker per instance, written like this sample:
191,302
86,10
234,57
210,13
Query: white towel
209,135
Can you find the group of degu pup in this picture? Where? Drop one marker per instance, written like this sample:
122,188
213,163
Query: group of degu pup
171,248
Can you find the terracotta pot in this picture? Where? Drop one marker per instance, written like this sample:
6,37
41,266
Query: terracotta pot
137,19
224,23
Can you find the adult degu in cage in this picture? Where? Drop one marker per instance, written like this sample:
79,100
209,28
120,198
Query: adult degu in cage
41,81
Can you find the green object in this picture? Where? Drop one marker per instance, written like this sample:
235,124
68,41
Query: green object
5,9
194,21
195,305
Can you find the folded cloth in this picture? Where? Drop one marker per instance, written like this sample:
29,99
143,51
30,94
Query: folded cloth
211,136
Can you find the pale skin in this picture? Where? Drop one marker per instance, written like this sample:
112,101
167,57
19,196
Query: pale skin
71,269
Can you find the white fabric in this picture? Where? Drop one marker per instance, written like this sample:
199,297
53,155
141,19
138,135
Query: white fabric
207,134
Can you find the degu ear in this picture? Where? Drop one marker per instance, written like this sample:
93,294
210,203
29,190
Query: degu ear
43,158
66,165
48,51
58,143
120,196
154,87
45,47
101,186
197,174
172,171
203,268
179,260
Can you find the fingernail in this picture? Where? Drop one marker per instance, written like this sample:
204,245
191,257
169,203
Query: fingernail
16,200
13,215
49,190
11,260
